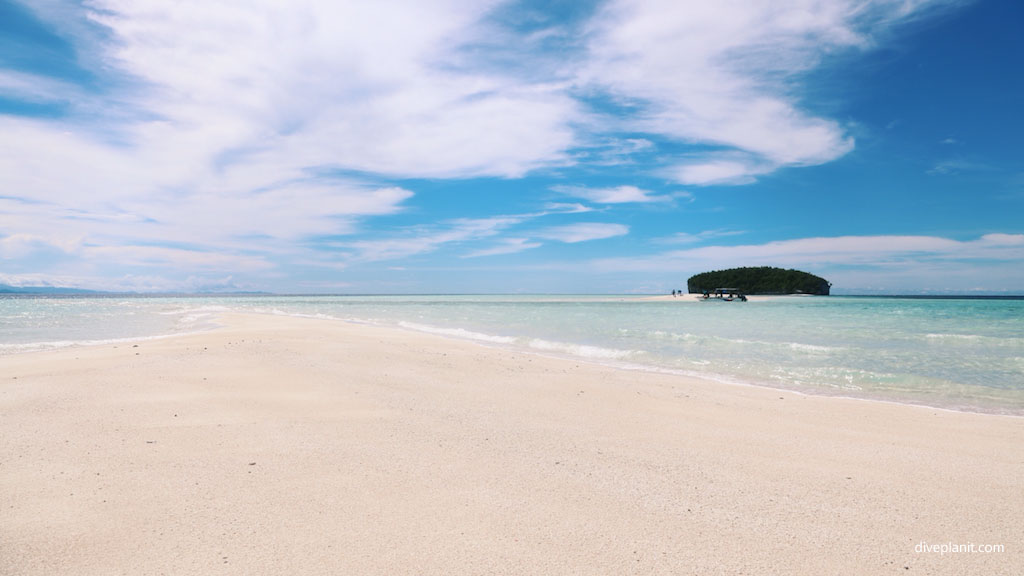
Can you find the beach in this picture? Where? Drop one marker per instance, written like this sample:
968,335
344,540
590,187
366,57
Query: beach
284,445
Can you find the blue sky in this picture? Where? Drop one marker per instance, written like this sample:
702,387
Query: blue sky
486,146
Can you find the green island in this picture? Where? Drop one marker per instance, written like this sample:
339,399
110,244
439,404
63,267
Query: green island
762,280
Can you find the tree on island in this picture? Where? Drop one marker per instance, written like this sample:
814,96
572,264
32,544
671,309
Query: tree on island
760,280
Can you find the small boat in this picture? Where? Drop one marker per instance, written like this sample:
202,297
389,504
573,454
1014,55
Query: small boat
724,295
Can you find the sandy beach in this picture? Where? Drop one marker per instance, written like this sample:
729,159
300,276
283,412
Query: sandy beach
278,445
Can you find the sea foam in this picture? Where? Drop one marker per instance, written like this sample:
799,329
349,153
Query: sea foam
459,333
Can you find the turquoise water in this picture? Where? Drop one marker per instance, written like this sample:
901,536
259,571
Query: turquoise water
954,353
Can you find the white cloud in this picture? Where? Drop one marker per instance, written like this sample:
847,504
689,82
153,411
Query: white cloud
162,256
566,208
582,232
505,246
688,238
427,240
615,195
611,151
127,282
22,244
727,169
725,74
218,219
35,88
368,86
957,166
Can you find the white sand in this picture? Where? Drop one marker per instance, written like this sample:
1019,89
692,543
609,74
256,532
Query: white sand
291,446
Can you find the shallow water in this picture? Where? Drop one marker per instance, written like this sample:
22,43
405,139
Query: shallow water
953,353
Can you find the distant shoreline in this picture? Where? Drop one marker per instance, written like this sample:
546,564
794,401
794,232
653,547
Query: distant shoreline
73,293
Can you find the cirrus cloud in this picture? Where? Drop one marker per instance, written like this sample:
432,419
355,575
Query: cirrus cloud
616,195
582,232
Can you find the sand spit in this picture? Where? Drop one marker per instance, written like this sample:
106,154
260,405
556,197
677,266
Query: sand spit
279,445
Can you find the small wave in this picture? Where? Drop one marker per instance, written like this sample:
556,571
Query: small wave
197,316
365,321
6,349
315,316
809,347
963,338
685,337
36,346
1001,341
581,349
458,333
195,310
187,317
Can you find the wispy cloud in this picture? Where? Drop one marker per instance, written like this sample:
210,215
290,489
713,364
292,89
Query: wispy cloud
470,232
611,151
720,168
423,240
688,238
957,166
35,88
614,195
567,208
505,246
582,232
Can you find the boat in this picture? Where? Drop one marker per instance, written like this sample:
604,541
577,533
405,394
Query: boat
724,295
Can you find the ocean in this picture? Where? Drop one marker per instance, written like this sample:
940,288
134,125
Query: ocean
955,353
